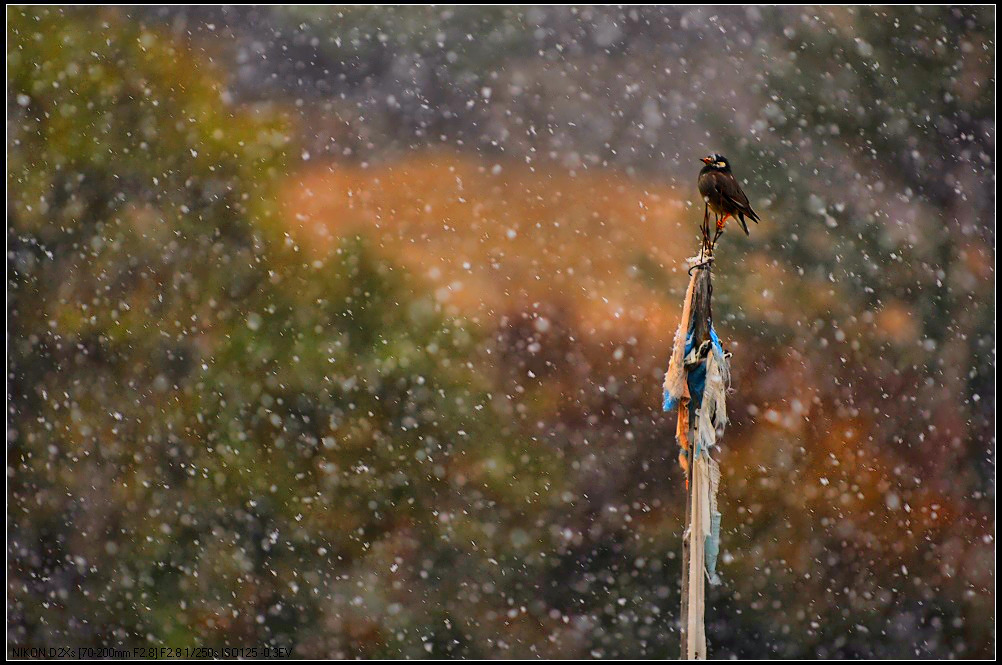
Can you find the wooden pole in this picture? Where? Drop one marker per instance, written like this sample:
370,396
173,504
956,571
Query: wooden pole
693,587
684,626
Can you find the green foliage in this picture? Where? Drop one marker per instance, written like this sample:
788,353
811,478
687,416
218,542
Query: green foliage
214,440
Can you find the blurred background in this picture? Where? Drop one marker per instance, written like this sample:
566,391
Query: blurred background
343,330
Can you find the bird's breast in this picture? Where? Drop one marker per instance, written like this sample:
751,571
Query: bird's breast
709,190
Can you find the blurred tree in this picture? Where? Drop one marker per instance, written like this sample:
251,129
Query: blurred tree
892,102
876,134
213,441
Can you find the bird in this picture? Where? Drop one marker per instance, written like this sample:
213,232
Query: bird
722,194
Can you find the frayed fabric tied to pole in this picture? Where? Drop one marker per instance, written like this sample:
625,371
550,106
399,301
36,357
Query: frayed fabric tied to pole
712,547
682,433
696,382
675,376
713,407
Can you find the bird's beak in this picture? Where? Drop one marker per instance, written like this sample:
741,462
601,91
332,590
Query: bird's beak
706,160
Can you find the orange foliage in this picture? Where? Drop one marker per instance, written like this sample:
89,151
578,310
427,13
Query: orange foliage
492,239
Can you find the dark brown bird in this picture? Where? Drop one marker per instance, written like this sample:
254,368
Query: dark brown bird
722,194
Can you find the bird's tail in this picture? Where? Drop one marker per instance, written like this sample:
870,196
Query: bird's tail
744,225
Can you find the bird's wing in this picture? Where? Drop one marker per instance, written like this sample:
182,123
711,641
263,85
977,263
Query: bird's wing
732,191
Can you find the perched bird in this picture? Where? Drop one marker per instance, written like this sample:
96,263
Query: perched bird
722,194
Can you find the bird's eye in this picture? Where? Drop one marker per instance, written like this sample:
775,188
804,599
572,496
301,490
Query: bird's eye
721,164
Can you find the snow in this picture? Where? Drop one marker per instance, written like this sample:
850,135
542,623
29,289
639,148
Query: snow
342,330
